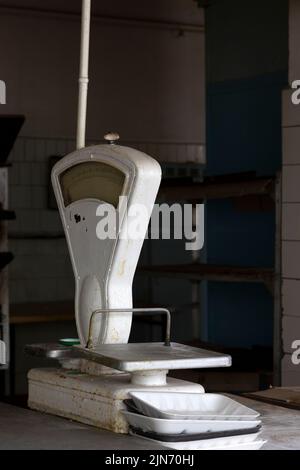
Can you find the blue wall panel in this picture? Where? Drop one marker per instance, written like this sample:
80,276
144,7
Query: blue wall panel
243,134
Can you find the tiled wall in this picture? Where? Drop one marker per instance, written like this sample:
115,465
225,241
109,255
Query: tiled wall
41,270
291,207
290,237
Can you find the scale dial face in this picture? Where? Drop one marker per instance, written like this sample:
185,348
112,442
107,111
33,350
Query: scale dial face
92,180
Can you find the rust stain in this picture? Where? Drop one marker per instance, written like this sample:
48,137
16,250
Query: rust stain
115,335
122,268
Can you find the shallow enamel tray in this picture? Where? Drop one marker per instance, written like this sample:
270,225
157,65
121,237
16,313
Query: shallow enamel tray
245,442
184,426
194,437
200,406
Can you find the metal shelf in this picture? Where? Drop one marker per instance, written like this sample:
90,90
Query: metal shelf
7,215
231,187
5,259
10,126
218,188
200,272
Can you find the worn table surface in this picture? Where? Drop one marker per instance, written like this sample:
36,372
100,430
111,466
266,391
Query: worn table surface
281,426
26,429
22,429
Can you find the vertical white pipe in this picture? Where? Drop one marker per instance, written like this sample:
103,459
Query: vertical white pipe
83,73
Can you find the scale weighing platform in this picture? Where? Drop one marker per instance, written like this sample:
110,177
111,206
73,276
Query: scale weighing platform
97,374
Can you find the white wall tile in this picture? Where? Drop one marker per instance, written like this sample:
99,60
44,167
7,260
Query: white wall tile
14,176
30,150
61,247
30,221
38,197
25,173
290,332
291,221
71,146
61,147
51,148
45,290
40,151
290,379
18,154
290,111
20,174
23,247
14,226
17,291
39,173
200,156
291,212
291,145
291,260
50,222
287,364
20,197
291,183
66,288
291,297
290,372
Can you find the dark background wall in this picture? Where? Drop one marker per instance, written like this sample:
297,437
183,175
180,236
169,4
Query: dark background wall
247,68
147,82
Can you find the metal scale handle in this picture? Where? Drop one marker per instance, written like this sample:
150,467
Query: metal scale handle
135,311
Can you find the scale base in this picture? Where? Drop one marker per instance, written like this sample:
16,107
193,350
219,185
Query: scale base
90,399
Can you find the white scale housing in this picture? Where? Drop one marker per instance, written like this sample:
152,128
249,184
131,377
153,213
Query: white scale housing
93,391
104,269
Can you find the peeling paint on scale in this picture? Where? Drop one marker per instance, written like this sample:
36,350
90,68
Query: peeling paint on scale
93,400
122,268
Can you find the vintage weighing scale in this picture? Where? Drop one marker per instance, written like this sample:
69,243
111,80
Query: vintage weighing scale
97,375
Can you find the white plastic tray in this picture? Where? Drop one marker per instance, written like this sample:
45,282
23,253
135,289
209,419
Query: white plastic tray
245,442
185,426
256,445
200,406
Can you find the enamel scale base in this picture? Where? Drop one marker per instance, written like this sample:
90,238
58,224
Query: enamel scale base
92,384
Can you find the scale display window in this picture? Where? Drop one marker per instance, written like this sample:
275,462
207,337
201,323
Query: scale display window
92,180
